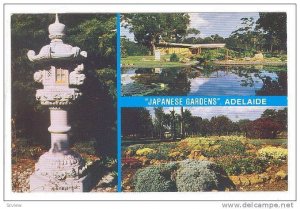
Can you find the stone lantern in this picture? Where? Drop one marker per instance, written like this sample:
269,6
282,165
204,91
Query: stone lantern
59,169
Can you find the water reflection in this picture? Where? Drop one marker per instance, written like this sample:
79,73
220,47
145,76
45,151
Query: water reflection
205,81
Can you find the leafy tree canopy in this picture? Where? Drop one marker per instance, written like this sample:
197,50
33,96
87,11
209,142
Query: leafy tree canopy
149,29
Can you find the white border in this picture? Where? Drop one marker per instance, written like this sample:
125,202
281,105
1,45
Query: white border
289,195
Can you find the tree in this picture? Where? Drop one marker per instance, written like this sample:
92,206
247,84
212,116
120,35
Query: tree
279,116
196,124
187,121
217,38
136,122
264,128
244,126
130,48
149,29
269,124
274,24
246,38
269,113
221,125
205,127
282,118
159,121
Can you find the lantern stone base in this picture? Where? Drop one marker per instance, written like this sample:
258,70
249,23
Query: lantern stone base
44,184
60,172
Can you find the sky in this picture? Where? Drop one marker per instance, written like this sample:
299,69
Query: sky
235,113
211,23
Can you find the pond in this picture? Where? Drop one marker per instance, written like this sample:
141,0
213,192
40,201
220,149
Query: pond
205,81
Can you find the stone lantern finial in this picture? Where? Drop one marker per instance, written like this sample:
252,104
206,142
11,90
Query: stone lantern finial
56,18
56,29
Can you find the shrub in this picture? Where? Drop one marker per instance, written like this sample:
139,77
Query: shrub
183,176
145,151
195,176
21,148
217,146
283,58
270,152
237,166
174,58
155,179
232,147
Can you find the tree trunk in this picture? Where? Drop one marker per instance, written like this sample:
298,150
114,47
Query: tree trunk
152,48
181,123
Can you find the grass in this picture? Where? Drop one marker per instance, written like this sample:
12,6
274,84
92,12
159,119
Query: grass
149,62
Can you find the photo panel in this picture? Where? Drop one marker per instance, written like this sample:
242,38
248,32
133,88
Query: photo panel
204,149
66,68
200,54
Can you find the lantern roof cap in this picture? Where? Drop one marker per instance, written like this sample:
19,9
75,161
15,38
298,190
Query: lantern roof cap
56,29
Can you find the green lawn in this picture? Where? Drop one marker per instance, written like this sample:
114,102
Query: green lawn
149,62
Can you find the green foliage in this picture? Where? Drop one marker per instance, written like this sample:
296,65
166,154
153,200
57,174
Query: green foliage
213,54
174,58
148,29
196,176
184,176
274,24
221,124
24,148
131,89
150,62
231,147
129,48
268,33
95,34
272,124
136,121
155,179
237,166
207,40
272,142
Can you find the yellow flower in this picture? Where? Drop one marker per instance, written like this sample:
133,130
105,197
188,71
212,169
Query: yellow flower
273,153
145,151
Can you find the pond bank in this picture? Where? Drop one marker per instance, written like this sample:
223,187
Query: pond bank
149,62
235,62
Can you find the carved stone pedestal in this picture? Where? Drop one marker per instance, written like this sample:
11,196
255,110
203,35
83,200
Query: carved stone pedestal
60,172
